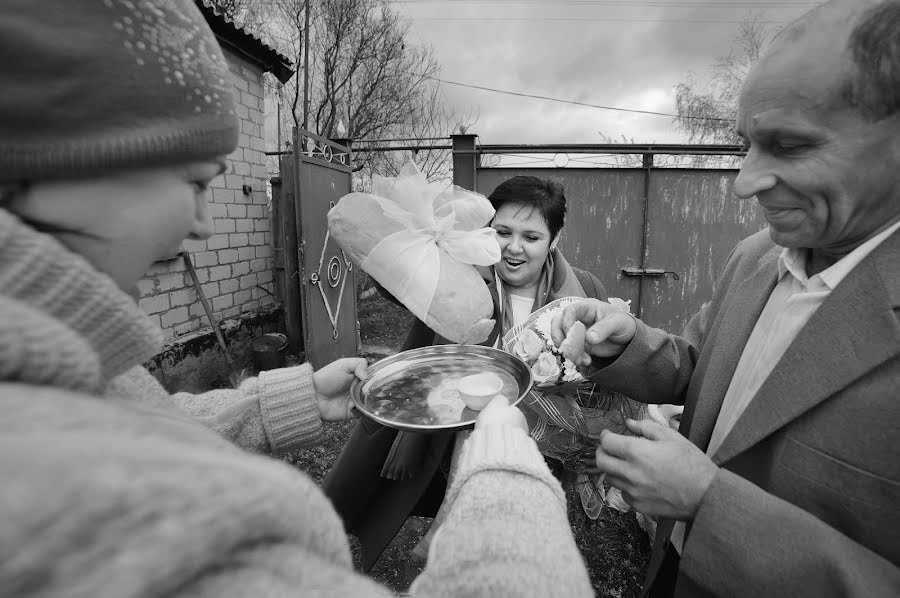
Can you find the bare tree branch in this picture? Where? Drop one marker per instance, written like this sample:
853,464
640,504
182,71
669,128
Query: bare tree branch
707,114
363,73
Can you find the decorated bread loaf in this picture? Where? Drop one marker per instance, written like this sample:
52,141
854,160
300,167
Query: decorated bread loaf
421,242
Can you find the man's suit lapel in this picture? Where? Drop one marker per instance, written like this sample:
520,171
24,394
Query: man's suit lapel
735,326
852,332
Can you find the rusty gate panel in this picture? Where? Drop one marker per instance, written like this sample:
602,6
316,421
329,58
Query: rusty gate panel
694,221
603,230
328,283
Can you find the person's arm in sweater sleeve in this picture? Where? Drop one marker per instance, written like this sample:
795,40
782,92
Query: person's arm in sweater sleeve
507,532
279,410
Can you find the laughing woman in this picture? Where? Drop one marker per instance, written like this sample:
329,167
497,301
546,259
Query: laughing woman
383,476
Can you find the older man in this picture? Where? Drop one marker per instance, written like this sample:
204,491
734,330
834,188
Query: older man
788,483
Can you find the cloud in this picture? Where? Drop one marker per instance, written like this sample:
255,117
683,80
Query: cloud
623,64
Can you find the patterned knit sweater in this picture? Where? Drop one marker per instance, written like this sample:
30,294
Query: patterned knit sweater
111,495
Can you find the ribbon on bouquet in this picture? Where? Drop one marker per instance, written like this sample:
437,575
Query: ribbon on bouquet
407,263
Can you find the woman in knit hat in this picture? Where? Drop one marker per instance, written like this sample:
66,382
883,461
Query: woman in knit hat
114,118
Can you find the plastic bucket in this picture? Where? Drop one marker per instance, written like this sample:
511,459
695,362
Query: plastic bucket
269,351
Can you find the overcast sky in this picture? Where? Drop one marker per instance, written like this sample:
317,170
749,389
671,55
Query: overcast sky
623,53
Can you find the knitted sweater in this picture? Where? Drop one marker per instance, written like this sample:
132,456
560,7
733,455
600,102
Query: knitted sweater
105,495
275,412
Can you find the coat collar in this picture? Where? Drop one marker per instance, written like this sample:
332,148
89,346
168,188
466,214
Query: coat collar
852,332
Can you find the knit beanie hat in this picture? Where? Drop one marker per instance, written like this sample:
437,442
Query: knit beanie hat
92,85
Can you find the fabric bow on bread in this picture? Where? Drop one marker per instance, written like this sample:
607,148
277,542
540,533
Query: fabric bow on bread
421,241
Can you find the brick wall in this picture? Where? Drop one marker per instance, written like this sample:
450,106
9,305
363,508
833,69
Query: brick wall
235,265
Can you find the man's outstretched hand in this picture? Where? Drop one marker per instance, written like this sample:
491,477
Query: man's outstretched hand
591,328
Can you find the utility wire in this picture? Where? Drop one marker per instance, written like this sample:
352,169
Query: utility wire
573,102
622,3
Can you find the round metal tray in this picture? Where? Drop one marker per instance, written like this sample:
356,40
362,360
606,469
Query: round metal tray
422,369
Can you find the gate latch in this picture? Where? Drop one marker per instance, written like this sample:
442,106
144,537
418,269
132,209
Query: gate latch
653,272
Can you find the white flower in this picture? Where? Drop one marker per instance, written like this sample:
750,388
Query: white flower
528,345
570,372
615,499
546,368
621,305
543,321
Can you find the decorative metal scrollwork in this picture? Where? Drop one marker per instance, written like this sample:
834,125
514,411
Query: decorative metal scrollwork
334,271
586,159
560,160
338,270
322,150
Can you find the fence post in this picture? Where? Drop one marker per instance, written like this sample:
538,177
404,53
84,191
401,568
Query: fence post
647,166
465,161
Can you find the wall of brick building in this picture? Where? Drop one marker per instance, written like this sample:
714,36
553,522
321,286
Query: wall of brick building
235,265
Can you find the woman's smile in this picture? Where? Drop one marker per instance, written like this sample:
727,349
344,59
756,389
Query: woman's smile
513,263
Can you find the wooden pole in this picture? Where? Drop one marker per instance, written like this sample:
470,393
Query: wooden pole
209,314
306,68
278,117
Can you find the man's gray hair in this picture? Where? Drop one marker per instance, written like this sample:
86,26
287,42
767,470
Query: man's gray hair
874,46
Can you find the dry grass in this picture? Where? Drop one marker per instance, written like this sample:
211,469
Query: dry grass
614,548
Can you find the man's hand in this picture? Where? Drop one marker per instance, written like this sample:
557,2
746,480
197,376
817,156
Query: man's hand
660,472
332,384
606,331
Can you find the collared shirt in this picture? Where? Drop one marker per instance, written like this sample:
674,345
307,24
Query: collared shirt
793,301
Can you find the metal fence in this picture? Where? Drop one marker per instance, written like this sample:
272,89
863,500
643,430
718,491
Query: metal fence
657,234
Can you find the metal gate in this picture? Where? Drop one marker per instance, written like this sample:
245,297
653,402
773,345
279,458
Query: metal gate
658,236
318,282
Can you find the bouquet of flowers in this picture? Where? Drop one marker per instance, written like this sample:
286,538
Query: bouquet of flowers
566,412
531,343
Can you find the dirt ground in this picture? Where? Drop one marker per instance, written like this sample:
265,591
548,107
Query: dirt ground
614,547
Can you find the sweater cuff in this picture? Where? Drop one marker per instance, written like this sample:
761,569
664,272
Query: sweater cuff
290,409
502,448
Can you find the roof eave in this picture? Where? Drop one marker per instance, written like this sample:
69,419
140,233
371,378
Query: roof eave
242,42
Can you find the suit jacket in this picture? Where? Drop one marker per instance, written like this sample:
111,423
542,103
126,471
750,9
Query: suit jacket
807,498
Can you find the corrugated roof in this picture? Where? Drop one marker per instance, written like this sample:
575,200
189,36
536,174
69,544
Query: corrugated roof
245,43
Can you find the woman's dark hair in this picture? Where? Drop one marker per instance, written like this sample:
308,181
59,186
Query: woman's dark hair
546,196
